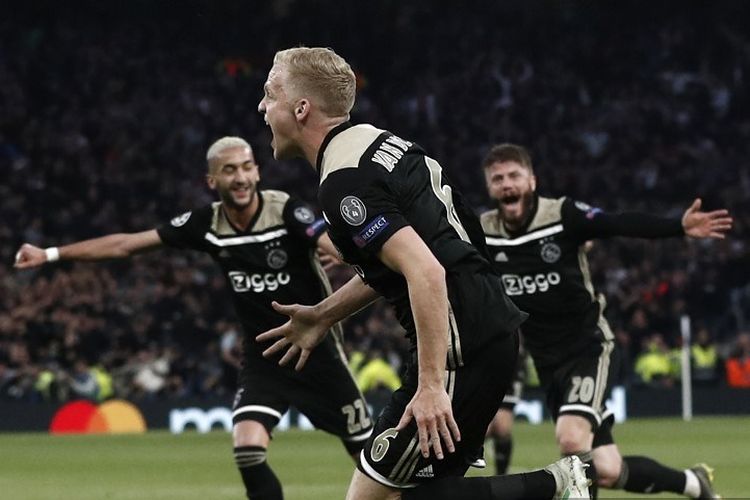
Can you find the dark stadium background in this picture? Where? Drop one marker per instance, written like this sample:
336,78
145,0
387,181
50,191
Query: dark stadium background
107,108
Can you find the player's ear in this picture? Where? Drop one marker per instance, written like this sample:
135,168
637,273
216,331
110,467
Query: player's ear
211,181
533,183
301,109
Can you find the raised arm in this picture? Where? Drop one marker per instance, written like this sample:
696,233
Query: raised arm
112,246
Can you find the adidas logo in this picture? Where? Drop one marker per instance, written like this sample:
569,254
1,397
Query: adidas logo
426,472
501,257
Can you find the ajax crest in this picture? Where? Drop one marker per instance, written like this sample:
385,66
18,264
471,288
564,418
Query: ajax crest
551,253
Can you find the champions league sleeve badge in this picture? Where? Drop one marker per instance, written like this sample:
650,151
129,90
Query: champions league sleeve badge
353,210
583,207
304,215
180,220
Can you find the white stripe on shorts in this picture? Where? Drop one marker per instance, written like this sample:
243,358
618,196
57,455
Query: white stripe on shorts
583,408
257,409
377,477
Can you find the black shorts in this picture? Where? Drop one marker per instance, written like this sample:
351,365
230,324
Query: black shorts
515,391
603,435
394,459
580,385
324,391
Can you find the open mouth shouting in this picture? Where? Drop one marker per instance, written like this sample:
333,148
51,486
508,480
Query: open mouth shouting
511,202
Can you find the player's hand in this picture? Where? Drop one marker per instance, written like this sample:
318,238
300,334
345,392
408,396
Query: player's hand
299,335
29,256
699,224
431,409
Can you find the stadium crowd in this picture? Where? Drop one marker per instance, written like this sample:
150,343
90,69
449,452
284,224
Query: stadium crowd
106,112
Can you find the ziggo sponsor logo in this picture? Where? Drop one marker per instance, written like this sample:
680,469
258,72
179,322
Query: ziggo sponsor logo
243,282
83,417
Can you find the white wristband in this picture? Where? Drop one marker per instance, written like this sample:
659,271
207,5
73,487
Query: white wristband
52,253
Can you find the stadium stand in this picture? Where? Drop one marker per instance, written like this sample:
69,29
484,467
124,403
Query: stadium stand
106,111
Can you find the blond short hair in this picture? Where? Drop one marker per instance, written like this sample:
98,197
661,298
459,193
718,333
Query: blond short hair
323,74
227,142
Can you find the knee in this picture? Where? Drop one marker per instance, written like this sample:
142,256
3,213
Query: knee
249,440
608,473
573,435
572,442
609,469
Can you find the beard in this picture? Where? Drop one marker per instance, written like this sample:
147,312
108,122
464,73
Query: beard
228,198
516,208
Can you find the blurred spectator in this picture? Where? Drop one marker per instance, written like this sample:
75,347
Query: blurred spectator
738,363
376,378
654,366
377,374
704,358
151,372
231,353
83,382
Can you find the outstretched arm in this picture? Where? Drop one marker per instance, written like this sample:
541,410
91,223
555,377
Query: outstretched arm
590,222
112,246
697,224
308,325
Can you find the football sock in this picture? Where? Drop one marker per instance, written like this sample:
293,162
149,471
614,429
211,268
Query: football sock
645,475
536,484
503,450
588,458
260,481
692,485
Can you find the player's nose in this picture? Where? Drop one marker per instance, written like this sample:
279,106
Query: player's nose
241,176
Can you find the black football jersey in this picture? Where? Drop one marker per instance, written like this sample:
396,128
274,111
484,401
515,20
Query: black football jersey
546,273
274,259
373,183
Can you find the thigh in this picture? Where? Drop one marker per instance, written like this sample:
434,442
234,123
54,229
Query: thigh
392,458
363,487
250,433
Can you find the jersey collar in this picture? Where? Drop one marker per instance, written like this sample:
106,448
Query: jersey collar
253,219
328,138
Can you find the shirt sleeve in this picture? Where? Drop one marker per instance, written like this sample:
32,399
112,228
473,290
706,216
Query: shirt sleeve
302,222
183,231
587,222
363,209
